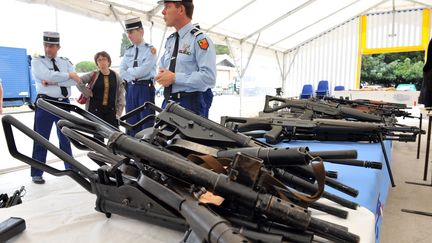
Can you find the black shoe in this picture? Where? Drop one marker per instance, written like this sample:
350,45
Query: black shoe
38,180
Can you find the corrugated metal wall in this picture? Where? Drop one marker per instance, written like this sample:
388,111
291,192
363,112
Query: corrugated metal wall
332,57
405,31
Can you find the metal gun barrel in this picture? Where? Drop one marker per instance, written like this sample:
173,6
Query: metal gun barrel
274,157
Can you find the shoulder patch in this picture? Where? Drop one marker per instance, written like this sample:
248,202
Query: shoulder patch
203,43
153,50
196,32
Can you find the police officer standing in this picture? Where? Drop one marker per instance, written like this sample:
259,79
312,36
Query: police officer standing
138,68
53,77
188,66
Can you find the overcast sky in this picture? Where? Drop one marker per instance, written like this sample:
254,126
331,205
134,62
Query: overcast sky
22,25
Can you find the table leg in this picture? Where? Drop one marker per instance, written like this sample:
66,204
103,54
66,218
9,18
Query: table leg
427,149
386,160
419,136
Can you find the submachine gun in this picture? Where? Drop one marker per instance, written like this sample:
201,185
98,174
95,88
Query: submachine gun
147,179
311,108
381,108
188,131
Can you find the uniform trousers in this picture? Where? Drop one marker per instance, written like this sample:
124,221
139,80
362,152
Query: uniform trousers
191,101
136,96
208,100
43,123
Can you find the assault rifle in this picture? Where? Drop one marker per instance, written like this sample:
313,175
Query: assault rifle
317,108
277,129
380,108
135,173
175,121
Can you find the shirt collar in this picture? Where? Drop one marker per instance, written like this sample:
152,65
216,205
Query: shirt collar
185,29
140,44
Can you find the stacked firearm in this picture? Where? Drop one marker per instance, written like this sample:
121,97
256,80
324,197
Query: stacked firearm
327,119
189,173
316,119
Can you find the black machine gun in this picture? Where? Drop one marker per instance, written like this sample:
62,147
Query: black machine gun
175,121
317,109
380,108
148,181
276,129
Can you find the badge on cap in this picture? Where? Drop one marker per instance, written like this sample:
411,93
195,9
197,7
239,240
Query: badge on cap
131,24
51,37
203,43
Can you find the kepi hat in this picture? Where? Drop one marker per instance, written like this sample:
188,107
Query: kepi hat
174,1
131,24
51,37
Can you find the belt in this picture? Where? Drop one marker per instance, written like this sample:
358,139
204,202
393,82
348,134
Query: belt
148,82
180,95
44,96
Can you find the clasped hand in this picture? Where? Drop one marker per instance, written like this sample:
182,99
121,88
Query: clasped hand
165,77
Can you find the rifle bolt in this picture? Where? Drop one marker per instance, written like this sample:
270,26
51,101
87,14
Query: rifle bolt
149,205
190,123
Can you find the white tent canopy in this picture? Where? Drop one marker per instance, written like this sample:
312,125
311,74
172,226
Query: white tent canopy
273,43
279,25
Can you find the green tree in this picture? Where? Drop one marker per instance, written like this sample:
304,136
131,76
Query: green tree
85,66
221,49
125,43
392,69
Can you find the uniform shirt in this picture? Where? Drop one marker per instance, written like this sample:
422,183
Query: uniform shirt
43,69
146,68
196,66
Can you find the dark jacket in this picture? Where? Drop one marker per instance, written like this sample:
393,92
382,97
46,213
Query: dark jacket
425,97
120,94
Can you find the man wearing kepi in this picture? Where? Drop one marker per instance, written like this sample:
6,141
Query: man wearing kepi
53,77
138,68
188,66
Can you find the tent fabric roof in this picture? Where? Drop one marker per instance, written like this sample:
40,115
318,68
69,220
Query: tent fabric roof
279,25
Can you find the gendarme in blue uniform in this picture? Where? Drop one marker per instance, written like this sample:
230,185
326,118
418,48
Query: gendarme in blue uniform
195,67
140,80
43,69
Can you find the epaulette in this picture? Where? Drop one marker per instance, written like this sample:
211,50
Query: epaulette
40,56
129,47
196,32
149,45
67,59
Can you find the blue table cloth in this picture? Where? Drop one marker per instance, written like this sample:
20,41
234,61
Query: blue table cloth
372,184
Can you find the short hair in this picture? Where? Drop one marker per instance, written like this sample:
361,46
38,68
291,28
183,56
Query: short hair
102,54
189,6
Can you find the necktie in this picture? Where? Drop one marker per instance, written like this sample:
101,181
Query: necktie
167,90
64,90
135,63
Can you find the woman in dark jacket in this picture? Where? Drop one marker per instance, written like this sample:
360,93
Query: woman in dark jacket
426,89
107,97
